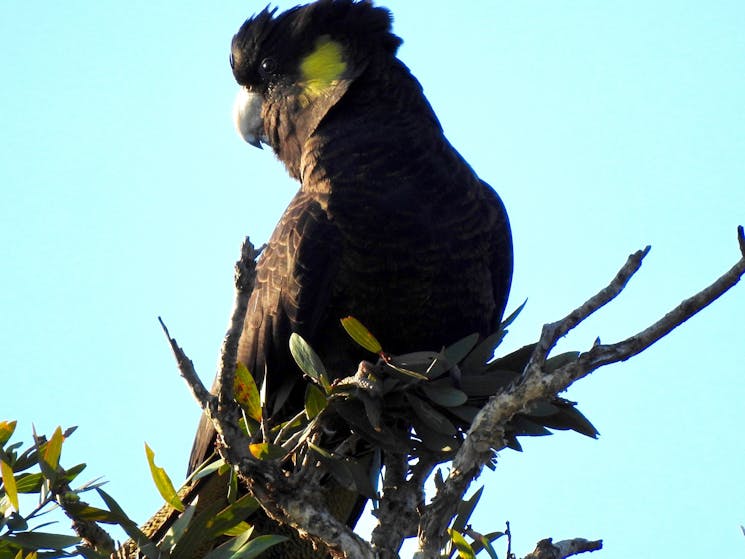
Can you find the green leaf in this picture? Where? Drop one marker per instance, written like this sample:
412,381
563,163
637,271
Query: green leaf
197,533
7,428
227,549
266,451
430,416
144,544
9,483
486,384
238,529
465,551
231,516
41,540
361,335
483,353
208,468
554,363
87,512
484,541
257,546
238,550
457,351
425,364
527,428
163,482
246,392
308,360
509,320
337,467
315,401
444,395
465,510
16,523
515,361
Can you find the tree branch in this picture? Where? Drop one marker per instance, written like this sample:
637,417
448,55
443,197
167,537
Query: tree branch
299,506
487,430
546,549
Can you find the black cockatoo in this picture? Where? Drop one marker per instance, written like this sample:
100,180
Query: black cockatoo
390,225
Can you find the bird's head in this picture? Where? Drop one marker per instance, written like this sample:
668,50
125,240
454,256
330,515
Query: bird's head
295,66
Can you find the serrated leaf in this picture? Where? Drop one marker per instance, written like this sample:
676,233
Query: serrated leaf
308,361
41,540
266,451
9,483
246,392
360,334
465,551
7,428
163,482
87,512
315,401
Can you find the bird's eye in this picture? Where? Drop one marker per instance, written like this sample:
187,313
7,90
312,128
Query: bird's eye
232,61
268,66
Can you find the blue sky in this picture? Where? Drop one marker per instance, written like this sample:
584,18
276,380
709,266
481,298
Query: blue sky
605,126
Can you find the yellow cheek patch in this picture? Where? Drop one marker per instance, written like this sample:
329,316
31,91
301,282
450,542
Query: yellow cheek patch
322,68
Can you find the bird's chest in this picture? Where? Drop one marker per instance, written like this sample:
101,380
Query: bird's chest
398,270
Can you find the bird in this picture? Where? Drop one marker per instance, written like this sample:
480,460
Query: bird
390,224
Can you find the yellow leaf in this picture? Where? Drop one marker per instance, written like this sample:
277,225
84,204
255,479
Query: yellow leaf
360,334
163,482
10,484
246,392
53,449
6,430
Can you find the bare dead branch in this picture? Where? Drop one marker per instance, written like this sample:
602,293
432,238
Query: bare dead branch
487,430
546,549
186,368
245,276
